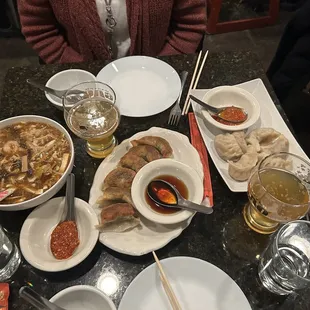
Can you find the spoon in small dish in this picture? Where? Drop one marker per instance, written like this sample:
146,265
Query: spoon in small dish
67,228
166,195
73,96
219,112
37,300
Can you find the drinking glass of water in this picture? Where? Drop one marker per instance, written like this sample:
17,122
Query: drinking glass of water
285,264
9,257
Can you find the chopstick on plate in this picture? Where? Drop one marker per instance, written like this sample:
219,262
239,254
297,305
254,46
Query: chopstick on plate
167,287
194,81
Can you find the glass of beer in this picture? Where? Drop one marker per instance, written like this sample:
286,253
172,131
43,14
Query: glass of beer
90,112
278,192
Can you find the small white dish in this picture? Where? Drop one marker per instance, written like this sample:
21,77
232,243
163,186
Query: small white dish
149,236
39,225
144,86
82,297
198,285
65,80
224,96
33,202
170,167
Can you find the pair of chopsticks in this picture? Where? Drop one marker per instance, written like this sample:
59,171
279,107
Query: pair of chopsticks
194,81
166,285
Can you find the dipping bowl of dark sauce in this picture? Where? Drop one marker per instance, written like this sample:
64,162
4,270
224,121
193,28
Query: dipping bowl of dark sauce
235,99
184,178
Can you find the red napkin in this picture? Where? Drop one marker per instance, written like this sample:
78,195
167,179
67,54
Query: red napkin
199,145
4,296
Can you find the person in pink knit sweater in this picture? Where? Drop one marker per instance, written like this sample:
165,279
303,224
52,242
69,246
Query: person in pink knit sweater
78,30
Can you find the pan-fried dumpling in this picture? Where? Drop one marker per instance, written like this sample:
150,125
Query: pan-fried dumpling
147,152
112,194
241,170
240,138
118,217
227,147
132,161
159,143
119,177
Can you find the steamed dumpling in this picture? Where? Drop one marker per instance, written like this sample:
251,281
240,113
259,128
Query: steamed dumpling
267,140
240,138
280,144
278,162
242,169
227,147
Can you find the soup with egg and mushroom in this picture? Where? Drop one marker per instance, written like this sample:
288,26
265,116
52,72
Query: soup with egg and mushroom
33,157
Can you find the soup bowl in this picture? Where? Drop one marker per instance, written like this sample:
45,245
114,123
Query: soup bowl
49,193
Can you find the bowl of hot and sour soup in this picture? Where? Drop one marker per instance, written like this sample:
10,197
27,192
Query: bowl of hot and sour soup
36,156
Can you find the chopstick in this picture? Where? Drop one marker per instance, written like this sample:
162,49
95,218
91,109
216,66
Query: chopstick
195,80
167,287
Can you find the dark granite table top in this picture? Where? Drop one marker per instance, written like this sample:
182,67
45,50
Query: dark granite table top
221,239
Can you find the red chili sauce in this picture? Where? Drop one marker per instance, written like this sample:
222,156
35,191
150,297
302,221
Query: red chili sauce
64,240
233,114
166,196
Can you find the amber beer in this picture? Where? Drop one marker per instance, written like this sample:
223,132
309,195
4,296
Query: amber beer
275,196
94,118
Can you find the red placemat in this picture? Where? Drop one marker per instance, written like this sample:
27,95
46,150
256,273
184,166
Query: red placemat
199,145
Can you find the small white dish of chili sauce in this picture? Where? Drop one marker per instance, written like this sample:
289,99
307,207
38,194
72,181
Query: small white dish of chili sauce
231,96
36,234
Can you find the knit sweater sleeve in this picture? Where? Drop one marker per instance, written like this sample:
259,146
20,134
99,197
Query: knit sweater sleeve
187,27
42,31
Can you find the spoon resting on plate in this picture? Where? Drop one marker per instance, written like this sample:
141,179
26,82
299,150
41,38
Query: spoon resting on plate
230,114
166,195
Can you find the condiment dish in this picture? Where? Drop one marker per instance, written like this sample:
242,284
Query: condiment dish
160,167
224,96
36,234
83,297
64,80
49,193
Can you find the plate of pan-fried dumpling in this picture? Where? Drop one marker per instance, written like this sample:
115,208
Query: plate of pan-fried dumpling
236,154
121,227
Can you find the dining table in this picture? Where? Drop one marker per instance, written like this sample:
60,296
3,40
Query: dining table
215,238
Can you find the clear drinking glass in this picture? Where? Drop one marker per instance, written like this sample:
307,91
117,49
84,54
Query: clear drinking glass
93,116
285,265
9,257
278,192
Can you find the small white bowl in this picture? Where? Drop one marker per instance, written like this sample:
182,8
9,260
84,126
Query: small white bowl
65,80
232,96
158,168
83,297
39,225
33,202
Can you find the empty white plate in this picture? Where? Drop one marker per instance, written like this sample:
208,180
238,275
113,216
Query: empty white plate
198,285
143,85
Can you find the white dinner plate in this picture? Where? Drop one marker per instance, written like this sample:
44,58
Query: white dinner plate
198,285
143,85
150,236
269,117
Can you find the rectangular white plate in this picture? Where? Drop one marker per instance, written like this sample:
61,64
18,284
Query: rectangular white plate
270,117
